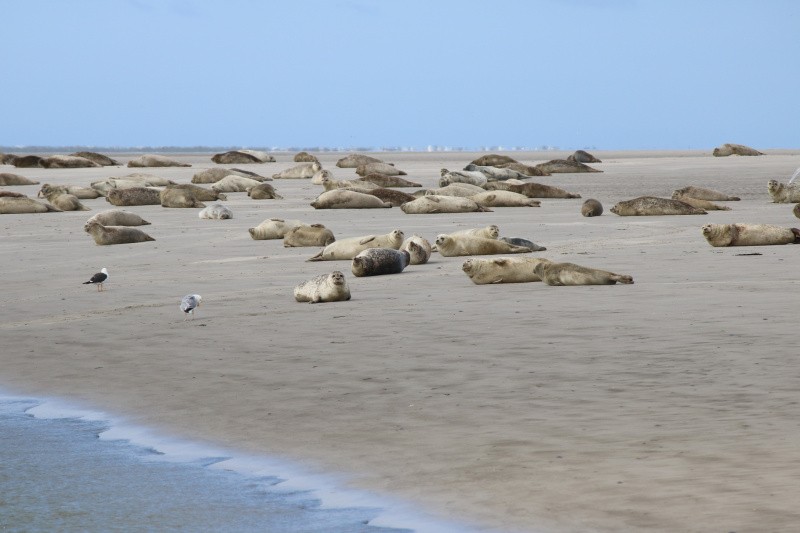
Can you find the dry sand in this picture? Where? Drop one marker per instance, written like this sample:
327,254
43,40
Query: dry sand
667,405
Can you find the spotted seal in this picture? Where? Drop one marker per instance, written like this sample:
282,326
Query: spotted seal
134,196
379,261
783,193
558,274
653,205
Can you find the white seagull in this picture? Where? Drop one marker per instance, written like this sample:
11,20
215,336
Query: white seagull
189,303
98,279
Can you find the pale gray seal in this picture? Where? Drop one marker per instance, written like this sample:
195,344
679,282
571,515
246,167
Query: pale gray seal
442,204
8,179
483,271
531,189
308,235
783,193
15,206
504,199
118,217
749,235
323,288
347,199
215,212
378,168
704,194
418,248
273,228
456,245
384,180
350,247
155,160
559,274
355,160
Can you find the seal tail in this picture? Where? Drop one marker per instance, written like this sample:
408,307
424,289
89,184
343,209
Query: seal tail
317,257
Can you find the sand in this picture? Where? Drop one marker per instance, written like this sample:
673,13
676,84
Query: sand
667,405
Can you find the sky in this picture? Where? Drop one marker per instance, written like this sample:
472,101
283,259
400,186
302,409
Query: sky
613,74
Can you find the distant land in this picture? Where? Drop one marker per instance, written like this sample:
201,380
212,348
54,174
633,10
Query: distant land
194,149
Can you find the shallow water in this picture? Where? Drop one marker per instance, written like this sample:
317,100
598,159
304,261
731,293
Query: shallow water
57,474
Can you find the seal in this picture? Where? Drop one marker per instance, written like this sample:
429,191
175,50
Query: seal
355,160
383,180
456,245
378,168
483,271
27,161
320,176
305,157
215,212
12,194
7,159
329,184
562,166
461,176
100,159
519,241
704,194
347,199
213,175
82,193
653,205
734,149
134,196
323,288
528,170
504,199
582,156
313,235
178,198
273,228
441,204
461,190
263,191
155,160
701,204
118,217
796,210
493,160
233,183
8,179
558,274
201,193
418,248
65,201
350,247
496,173
489,232
591,208
531,189
782,193
392,196
107,235
16,206
379,261
238,157
301,171
67,161
719,235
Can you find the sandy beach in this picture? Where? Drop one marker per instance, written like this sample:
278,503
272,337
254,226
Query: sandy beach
666,405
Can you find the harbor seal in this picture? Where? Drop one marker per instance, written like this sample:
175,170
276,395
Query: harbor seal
418,248
462,176
273,228
355,160
591,208
379,261
12,194
67,161
392,196
100,159
201,193
383,180
796,210
347,199
531,189
155,160
301,171
321,175
305,157
118,217
488,232
134,196
701,204
582,156
559,274
82,193
653,205
240,157
704,194
504,199
734,149
522,168
519,241
329,184
457,245
350,247
492,160
178,198
496,173
323,288
308,235
27,161
484,271
213,175
441,204
263,191
107,235
215,212
782,193
16,206
461,190
233,183
719,235
562,166
378,168
65,201
7,179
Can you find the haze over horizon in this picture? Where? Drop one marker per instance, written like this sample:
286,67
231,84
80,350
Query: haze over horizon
609,75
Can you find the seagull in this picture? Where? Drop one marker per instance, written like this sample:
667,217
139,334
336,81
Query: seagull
189,303
98,279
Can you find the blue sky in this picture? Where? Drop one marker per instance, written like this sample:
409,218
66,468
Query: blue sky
614,74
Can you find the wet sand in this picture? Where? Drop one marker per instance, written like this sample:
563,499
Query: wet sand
667,405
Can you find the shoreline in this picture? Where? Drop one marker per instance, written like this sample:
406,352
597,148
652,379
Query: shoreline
664,405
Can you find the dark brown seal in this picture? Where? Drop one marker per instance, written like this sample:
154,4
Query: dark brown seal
734,149
493,160
531,189
379,261
563,166
392,196
591,208
582,156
